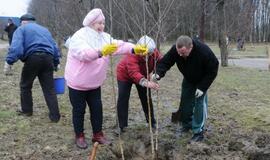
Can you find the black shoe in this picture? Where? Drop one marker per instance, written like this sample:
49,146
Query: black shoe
121,130
54,118
197,137
22,113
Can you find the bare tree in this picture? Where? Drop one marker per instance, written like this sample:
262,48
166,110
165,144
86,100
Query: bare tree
222,33
202,19
161,19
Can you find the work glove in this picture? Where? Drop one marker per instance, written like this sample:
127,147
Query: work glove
145,83
108,49
57,68
198,93
141,50
7,69
155,77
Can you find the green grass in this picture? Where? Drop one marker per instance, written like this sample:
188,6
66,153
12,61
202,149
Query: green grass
244,95
6,114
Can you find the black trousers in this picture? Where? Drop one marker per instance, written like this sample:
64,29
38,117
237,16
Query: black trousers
9,40
78,101
39,65
124,89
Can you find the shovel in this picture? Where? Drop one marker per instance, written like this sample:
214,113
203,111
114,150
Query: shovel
94,152
176,116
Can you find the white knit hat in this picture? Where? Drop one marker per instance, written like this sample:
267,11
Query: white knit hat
95,15
149,42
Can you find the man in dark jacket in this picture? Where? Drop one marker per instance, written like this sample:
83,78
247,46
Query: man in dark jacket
10,29
34,45
199,67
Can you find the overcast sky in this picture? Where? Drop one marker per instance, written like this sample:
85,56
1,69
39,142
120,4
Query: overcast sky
14,8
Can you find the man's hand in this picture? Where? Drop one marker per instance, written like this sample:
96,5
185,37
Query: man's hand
155,77
141,50
198,93
57,68
108,49
149,84
7,69
152,85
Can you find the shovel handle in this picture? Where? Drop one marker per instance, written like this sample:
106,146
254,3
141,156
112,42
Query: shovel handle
94,152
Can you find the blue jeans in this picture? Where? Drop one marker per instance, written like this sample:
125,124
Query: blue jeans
78,100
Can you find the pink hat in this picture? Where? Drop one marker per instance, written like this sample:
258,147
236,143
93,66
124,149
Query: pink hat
95,15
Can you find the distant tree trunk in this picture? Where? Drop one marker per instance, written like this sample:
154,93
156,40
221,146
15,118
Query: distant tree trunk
124,30
202,20
92,4
2,36
222,33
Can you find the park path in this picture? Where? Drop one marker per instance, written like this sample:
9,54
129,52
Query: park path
257,63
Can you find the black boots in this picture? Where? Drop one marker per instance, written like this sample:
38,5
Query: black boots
197,137
22,113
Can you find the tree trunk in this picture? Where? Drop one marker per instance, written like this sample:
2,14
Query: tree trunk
92,4
202,20
222,33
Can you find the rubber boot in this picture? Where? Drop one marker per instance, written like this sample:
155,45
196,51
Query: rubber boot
100,138
80,141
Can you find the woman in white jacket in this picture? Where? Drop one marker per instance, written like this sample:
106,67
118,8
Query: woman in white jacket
85,72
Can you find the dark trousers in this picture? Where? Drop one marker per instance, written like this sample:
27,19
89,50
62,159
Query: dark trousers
9,40
193,110
124,89
78,101
39,65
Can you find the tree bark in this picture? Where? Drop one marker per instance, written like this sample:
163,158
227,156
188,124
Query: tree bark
222,33
92,4
202,20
